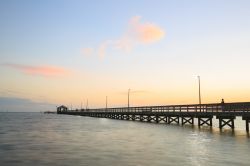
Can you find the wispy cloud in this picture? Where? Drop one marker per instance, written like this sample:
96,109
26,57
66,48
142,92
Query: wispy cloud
46,71
138,32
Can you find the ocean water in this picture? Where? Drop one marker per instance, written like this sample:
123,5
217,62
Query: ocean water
49,139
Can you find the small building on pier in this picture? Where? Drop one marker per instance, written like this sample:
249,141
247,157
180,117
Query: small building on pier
61,109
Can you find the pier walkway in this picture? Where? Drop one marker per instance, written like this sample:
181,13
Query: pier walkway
179,114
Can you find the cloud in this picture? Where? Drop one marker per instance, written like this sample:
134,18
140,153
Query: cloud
46,71
137,33
145,32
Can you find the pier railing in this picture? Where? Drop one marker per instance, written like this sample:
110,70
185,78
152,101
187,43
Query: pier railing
214,107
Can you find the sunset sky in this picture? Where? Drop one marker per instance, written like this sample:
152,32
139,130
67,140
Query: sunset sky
70,51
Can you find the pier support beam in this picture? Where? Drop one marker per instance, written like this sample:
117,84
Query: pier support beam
173,119
226,121
189,120
205,120
151,118
137,117
162,118
116,116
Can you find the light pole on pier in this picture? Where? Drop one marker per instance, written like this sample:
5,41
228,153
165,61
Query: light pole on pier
106,102
128,97
87,104
199,81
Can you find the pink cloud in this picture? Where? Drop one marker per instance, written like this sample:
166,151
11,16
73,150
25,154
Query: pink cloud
145,32
139,33
47,71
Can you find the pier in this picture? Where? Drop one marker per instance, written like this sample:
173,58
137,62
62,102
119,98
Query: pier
170,114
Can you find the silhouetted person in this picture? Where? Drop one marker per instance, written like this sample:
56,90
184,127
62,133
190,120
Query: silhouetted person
222,105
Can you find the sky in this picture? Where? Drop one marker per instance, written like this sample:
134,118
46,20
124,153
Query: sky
74,52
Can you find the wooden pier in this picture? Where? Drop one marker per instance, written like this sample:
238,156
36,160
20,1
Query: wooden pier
178,114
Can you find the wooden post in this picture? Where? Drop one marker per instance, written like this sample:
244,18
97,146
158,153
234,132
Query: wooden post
232,121
220,123
133,117
141,117
148,118
157,119
247,125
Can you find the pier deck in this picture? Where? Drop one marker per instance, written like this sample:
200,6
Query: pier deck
180,114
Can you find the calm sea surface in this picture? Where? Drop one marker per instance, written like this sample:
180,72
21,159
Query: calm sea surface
48,139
